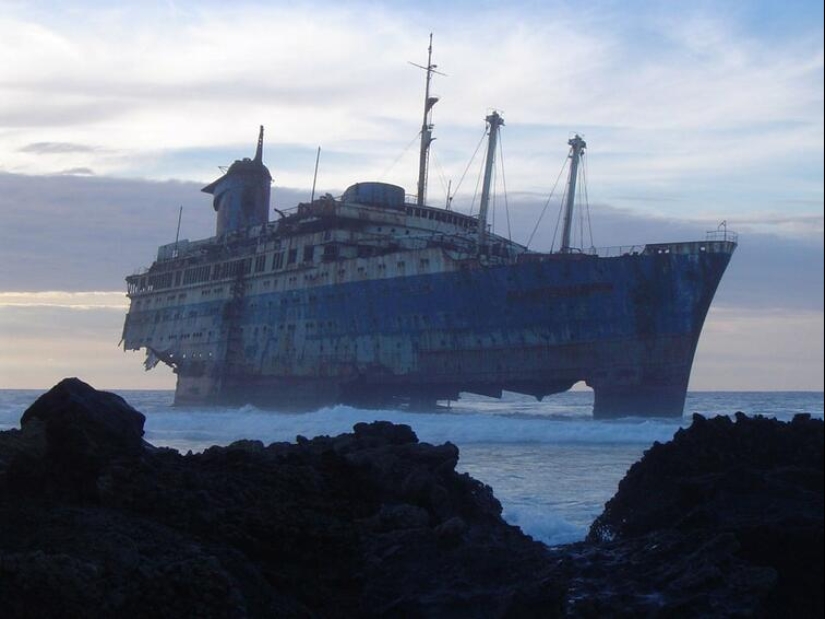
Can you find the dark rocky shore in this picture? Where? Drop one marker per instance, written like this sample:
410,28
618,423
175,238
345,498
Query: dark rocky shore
725,520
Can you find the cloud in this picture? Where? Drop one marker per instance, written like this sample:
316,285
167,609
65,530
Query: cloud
55,147
96,300
79,233
77,172
754,350
671,98
89,233
44,344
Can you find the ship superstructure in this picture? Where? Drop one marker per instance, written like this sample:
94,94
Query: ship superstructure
373,299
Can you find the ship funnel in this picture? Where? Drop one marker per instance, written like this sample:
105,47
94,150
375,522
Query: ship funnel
241,196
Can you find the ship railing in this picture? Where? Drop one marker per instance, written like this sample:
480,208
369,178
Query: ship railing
615,251
722,235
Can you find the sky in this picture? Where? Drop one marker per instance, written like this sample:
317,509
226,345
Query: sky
113,117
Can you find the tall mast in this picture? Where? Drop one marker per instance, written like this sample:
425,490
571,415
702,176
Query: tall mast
495,121
315,175
259,151
577,146
426,127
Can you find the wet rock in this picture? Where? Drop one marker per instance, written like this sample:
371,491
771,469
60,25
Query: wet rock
452,530
725,517
66,438
386,432
367,523
80,421
404,516
726,520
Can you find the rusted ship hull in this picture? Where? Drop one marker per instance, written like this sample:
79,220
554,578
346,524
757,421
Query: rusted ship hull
628,326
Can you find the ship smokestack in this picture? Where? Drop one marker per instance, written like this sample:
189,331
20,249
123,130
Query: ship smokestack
241,196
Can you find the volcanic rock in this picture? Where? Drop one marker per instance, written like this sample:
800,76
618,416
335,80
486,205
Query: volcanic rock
370,523
727,516
725,520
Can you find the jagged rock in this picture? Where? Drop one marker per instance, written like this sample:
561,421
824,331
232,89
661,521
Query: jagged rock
386,432
716,471
81,421
728,515
367,523
726,520
404,516
66,438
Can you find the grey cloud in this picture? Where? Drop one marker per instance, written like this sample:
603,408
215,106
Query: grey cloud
66,105
50,323
49,148
767,270
77,172
88,233
108,97
811,221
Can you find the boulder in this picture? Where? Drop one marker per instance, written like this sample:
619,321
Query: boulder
81,421
726,519
66,438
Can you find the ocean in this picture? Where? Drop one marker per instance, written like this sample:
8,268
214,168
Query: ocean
549,463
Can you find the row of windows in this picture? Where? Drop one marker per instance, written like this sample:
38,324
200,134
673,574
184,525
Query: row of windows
157,300
196,275
193,275
163,316
445,216
234,268
291,281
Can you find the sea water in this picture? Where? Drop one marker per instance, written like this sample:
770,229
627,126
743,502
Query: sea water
550,463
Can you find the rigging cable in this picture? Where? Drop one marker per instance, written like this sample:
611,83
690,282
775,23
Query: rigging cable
546,204
587,205
441,175
504,186
558,218
470,162
478,182
397,159
580,209
493,196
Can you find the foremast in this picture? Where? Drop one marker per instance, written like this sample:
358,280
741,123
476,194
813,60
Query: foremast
426,127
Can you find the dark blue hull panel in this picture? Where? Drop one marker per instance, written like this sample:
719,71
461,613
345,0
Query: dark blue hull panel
628,326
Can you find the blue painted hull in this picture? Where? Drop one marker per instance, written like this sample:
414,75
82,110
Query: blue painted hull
369,300
628,326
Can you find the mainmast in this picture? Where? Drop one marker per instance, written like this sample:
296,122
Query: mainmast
426,126
495,121
577,146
